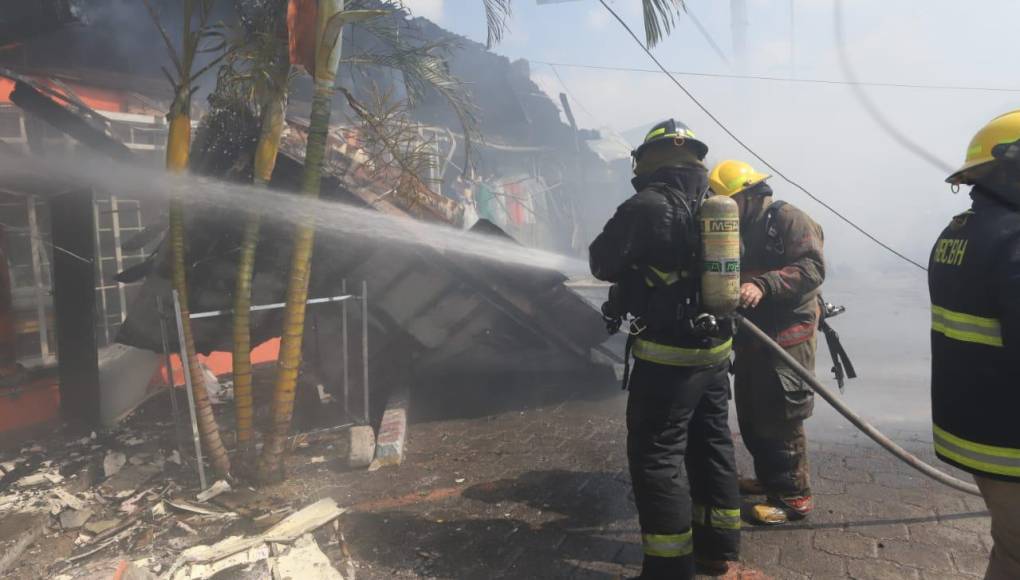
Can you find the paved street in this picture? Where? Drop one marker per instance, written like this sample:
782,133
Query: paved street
522,480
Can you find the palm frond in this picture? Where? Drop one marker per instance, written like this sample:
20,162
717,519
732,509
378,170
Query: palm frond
497,12
423,67
660,18
254,50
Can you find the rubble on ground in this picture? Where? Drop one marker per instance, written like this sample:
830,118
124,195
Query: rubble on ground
127,503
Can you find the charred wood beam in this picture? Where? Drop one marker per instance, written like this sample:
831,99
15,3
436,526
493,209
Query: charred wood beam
45,108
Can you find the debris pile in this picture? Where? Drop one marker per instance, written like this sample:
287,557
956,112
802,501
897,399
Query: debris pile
124,501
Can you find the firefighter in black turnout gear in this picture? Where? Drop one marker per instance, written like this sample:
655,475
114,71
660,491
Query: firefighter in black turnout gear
679,445
974,281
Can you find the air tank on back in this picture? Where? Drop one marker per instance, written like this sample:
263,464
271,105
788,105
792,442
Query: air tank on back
720,255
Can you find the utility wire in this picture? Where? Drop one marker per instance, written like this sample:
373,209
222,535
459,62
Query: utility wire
748,148
781,79
708,37
566,89
870,106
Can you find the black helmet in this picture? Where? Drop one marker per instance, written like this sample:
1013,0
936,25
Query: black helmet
672,130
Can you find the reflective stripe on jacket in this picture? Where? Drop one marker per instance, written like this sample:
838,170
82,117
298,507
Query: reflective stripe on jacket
974,281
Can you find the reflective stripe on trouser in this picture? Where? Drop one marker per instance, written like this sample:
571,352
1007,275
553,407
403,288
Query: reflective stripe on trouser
966,327
679,449
988,459
721,518
676,356
668,545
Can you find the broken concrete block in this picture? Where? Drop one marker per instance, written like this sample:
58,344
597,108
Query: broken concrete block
206,561
73,519
113,462
214,490
68,500
305,520
32,480
362,446
306,561
128,479
99,526
389,448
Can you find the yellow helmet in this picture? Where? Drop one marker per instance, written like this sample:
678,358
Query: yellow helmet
731,177
1000,130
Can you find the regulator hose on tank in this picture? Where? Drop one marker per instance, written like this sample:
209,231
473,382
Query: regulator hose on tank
853,417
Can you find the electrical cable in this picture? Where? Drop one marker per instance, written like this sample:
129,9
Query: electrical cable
708,37
566,89
754,153
859,422
780,79
869,106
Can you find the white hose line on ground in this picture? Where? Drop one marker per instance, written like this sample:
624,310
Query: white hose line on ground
853,417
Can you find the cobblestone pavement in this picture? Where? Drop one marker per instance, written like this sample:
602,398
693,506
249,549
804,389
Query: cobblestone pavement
529,481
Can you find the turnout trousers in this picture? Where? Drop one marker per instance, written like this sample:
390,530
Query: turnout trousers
682,467
772,402
1003,501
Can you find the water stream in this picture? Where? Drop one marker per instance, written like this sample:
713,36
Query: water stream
330,219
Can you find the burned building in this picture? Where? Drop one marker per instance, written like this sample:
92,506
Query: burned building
531,176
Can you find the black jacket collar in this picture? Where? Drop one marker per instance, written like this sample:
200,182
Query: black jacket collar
692,181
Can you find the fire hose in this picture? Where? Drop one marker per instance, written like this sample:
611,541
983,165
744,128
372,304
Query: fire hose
859,422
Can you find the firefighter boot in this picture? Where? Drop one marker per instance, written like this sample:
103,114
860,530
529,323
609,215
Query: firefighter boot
777,510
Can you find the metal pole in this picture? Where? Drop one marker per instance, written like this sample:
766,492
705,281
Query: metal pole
37,275
161,309
364,343
118,254
191,393
99,265
345,345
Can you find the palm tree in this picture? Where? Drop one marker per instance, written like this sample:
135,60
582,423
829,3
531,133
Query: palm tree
659,17
198,37
330,19
259,73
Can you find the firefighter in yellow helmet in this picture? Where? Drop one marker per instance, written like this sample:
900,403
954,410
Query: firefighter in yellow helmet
974,281
782,269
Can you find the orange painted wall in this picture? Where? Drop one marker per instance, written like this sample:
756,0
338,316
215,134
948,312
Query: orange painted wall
222,363
98,99
32,404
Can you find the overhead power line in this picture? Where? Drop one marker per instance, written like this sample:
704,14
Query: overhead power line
571,95
754,153
800,80
870,107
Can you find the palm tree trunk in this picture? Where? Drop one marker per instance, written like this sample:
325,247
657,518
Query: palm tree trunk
177,152
265,161
271,464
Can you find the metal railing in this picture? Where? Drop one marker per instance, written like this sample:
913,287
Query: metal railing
343,299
